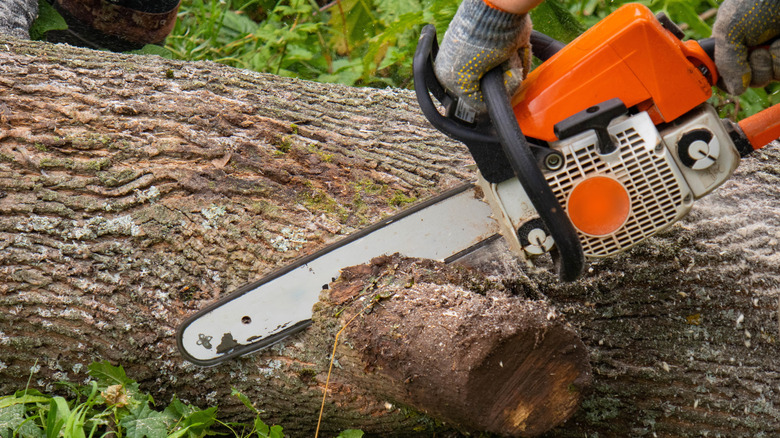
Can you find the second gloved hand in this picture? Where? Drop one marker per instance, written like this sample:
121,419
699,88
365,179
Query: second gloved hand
478,39
741,24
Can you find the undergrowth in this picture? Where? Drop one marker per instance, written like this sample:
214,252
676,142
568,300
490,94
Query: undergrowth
111,404
372,42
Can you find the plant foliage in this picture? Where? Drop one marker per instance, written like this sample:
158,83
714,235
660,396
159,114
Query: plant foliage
372,42
111,404
353,42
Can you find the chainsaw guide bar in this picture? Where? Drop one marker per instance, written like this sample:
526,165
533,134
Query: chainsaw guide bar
260,314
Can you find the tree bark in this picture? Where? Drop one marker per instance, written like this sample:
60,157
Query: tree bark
135,190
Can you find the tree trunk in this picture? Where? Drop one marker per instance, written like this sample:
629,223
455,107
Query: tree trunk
133,191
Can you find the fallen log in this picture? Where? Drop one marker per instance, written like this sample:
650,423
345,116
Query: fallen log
133,191
456,346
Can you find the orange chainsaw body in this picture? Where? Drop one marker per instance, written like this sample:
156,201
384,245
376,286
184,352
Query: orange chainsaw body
628,55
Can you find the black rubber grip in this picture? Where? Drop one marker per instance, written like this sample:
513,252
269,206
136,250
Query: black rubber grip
543,46
570,261
423,74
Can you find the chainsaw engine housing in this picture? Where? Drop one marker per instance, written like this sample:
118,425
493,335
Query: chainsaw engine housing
655,173
606,143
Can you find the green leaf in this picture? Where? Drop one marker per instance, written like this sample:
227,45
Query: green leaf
145,423
245,400
77,418
180,433
11,418
238,23
353,22
48,19
276,432
390,9
107,374
685,12
201,420
29,429
176,410
440,13
345,71
59,411
351,433
11,400
264,431
554,20
752,101
189,417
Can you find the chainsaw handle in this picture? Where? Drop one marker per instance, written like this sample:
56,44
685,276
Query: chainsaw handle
424,56
708,45
762,128
570,260
543,47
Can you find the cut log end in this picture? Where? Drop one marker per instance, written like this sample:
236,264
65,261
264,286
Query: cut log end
484,361
525,388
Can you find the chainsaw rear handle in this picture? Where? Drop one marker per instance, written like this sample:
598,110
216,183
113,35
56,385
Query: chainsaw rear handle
568,255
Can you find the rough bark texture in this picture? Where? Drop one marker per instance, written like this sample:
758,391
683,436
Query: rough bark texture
133,191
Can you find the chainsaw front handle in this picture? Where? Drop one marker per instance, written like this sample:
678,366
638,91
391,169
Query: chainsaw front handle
427,48
568,256
502,135
762,128
543,47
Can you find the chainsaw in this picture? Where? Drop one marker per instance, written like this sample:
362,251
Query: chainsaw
609,141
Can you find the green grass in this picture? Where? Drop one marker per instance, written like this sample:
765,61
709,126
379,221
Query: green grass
371,42
111,404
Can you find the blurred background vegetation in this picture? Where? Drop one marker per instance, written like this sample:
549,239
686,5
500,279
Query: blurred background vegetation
371,42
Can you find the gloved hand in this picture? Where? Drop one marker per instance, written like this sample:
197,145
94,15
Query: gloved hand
739,25
479,38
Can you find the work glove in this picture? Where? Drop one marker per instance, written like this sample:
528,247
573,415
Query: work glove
480,38
16,17
741,24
